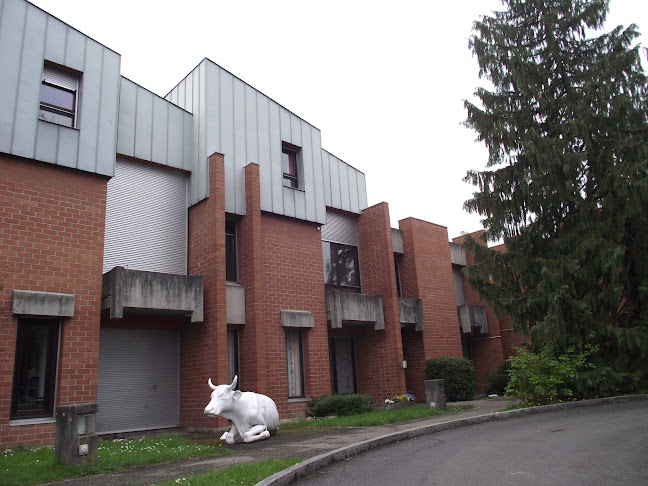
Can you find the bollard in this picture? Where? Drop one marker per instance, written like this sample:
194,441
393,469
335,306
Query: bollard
76,441
435,395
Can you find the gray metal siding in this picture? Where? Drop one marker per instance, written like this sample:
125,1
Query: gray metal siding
234,119
152,129
146,219
344,186
138,383
28,37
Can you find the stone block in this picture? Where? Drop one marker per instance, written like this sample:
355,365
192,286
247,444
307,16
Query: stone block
435,394
76,441
49,304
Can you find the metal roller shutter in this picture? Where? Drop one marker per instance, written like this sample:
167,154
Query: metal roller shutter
340,228
138,387
146,219
61,78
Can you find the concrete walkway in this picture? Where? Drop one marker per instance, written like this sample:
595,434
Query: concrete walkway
322,446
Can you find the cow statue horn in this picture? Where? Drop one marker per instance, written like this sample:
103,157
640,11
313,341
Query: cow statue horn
211,385
233,385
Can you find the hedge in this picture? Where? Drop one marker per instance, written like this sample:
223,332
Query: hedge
457,374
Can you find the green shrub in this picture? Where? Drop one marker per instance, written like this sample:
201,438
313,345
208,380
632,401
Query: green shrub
498,381
340,405
457,374
542,378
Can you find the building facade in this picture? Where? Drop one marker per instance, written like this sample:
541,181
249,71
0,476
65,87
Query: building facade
151,243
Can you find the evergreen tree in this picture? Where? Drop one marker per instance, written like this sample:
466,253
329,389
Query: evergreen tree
566,183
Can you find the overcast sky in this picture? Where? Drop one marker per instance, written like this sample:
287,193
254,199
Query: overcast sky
383,81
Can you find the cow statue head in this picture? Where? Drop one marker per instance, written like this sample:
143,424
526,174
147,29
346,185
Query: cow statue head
222,398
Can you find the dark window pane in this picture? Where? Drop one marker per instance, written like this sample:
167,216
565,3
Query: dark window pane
340,265
35,368
398,281
330,277
230,251
59,97
346,263
232,355
289,167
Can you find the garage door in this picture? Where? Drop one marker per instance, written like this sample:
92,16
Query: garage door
138,384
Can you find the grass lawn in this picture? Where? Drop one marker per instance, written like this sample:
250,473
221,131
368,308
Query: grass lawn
35,465
379,417
241,474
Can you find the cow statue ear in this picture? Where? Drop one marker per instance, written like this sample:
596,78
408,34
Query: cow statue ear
236,395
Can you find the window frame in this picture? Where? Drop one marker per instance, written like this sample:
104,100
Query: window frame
397,264
64,81
295,390
51,369
290,171
233,354
337,269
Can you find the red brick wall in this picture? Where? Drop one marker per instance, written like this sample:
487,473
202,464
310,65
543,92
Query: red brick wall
51,240
203,345
380,353
293,279
426,274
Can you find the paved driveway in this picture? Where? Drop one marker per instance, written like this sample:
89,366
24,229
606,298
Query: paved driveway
600,445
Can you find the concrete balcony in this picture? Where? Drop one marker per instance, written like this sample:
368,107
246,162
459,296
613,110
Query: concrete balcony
347,309
152,293
411,313
458,255
473,319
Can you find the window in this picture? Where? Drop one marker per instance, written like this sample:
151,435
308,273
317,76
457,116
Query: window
34,382
289,164
230,251
58,96
295,363
233,355
398,279
341,266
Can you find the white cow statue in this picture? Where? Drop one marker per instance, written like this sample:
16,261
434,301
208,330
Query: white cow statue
254,416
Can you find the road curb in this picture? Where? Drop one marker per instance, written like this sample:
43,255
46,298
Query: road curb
309,466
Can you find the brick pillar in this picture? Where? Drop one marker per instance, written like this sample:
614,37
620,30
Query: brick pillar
250,252
379,353
426,274
203,351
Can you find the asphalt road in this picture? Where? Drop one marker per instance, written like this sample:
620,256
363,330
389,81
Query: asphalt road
600,445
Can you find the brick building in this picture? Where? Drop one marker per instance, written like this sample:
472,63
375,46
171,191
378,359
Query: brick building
151,243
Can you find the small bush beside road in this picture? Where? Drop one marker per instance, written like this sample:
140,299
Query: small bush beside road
340,405
457,374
